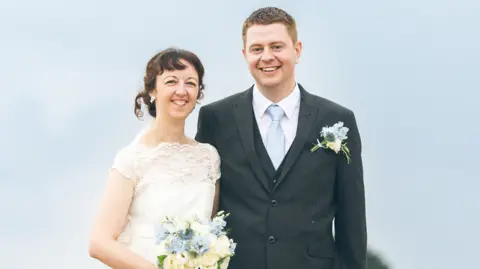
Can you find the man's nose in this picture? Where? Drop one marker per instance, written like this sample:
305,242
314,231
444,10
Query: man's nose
267,55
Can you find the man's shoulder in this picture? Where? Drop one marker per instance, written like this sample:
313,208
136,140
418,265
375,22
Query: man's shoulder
226,102
329,105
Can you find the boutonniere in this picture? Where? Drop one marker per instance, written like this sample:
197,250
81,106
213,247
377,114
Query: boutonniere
333,138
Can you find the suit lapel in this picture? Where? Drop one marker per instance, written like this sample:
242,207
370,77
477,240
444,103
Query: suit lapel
244,116
306,118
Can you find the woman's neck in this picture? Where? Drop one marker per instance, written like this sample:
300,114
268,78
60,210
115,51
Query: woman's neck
169,131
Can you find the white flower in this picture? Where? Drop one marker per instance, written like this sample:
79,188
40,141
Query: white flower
169,262
209,259
335,146
181,258
160,249
213,241
225,262
222,246
200,228
192,263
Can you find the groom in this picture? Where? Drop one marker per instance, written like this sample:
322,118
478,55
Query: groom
284,198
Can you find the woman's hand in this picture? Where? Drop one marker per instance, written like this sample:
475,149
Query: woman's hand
109,224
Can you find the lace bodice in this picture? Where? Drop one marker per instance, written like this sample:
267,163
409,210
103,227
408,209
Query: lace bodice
171,179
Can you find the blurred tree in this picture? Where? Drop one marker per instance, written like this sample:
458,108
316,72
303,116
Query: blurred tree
375,261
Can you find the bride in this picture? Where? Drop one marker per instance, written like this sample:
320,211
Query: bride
163,173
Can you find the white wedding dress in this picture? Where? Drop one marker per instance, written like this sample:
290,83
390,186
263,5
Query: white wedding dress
171,179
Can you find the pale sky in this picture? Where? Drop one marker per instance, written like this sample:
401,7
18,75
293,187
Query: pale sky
408,69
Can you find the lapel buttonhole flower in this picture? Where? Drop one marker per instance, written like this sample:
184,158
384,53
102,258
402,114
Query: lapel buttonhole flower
333,139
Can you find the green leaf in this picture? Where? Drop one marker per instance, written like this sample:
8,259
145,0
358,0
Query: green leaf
161,259
220,262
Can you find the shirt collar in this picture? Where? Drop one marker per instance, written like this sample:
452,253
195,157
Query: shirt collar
288,104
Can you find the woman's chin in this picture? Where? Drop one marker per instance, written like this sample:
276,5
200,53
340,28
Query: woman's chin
179,114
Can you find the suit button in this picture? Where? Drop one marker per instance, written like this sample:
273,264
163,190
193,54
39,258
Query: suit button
271,239
274,203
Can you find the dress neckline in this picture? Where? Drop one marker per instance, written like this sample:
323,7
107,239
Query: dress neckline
194,144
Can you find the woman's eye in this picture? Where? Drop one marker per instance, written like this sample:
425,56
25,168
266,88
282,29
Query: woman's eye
170,82
192,84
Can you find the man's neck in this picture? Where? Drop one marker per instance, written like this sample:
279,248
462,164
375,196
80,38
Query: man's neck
278,93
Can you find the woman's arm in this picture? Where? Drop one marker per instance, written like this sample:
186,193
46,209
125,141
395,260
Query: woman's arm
110,223
215,200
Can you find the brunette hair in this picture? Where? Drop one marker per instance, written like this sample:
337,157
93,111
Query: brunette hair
168,59
270,15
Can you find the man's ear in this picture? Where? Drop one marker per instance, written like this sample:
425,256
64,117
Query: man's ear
298,51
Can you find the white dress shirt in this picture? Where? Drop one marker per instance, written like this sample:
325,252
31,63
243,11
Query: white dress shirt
291,107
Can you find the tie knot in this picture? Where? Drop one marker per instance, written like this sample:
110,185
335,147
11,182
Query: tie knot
275,112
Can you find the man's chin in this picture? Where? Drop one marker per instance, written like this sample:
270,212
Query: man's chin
271,82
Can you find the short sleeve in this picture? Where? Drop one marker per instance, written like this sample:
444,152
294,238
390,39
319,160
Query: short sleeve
124,163
215,168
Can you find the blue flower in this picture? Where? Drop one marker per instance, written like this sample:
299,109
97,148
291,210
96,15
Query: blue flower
176,245
217,226
340,131
186,234
161,234
233,245
330,137
333,138
200,244
337,131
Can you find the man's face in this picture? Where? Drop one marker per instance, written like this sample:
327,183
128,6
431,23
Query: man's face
271,55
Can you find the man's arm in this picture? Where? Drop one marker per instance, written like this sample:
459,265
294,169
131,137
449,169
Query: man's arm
205,124
204,134
350,220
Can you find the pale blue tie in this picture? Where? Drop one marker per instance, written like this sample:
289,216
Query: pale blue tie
275,135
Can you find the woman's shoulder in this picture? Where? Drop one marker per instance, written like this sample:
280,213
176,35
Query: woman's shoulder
213,161
124,160
208,147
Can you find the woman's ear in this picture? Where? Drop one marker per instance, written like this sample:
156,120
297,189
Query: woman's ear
152,94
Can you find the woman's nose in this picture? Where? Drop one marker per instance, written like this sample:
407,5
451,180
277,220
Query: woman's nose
181,90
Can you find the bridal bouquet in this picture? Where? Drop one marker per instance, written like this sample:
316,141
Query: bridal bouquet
194,243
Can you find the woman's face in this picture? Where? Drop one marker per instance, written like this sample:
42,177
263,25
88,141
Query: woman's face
176,92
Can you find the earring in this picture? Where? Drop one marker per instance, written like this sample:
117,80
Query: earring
152,99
